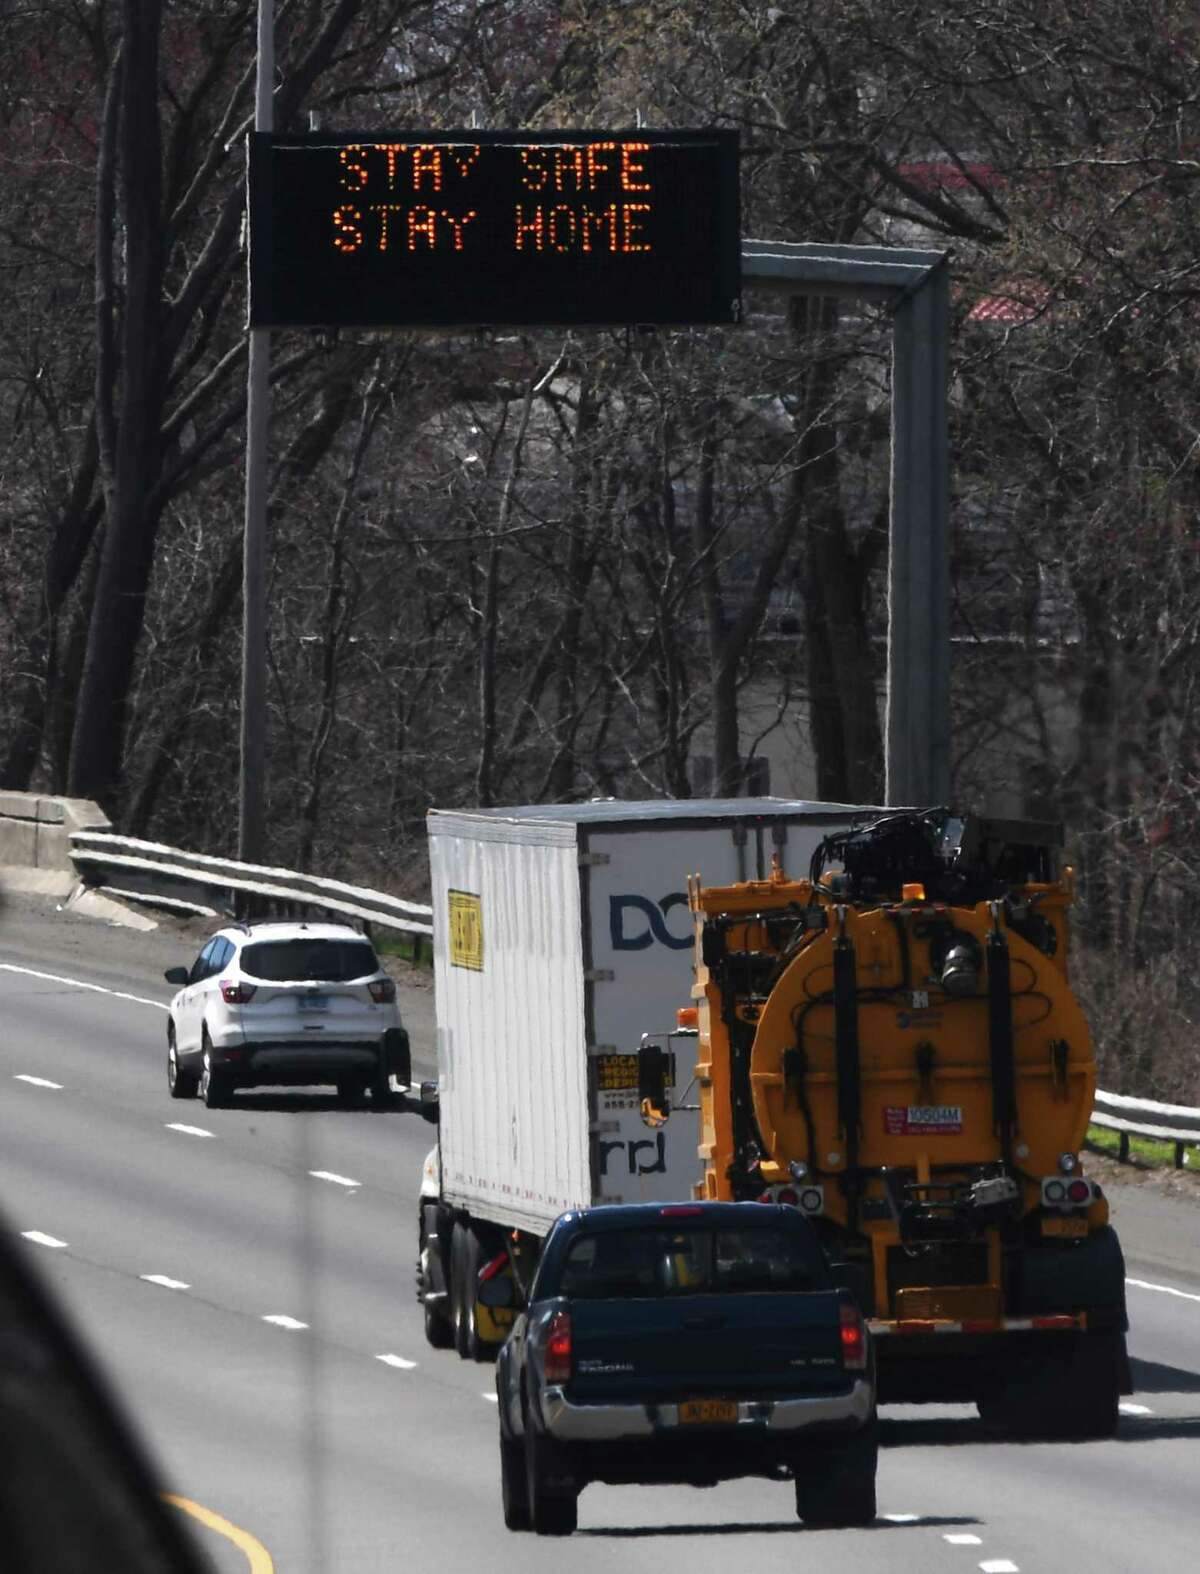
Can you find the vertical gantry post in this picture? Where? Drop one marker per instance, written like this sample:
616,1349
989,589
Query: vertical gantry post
916,284
918,680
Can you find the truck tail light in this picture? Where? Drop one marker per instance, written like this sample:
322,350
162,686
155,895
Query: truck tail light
1063,1193
383,991
557,1368
854,1339
237,994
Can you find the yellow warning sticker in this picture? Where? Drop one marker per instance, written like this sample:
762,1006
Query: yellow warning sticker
466,930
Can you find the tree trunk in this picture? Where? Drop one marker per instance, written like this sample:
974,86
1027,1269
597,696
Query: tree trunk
118,610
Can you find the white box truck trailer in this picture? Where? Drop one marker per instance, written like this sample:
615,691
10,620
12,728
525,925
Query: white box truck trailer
561,934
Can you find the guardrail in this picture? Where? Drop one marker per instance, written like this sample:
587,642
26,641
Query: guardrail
1145,1118
173,877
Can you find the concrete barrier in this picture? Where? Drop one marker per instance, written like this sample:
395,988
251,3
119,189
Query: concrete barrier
35,830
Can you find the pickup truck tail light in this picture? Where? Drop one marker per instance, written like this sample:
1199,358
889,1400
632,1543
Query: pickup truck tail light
234,994
854,1339
557,1368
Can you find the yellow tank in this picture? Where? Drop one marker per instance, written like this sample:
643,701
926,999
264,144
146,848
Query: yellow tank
893,1045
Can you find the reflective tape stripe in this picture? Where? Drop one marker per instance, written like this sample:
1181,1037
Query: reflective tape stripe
980,1325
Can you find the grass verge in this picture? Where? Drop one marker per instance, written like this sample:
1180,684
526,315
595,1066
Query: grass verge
409,948
1146,1150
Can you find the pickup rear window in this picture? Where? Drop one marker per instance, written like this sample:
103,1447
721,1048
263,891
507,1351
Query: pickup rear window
659,1262
310,961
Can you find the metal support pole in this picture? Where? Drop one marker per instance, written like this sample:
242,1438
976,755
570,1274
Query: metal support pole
916,282
251,811
918,692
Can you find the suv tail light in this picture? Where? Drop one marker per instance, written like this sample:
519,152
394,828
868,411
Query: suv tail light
854,1339
237,994
383,991
557,1367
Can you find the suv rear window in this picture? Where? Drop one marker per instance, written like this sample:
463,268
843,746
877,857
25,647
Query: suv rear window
310,961
612,1265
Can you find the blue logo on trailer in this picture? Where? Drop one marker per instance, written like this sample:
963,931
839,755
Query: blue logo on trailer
635,923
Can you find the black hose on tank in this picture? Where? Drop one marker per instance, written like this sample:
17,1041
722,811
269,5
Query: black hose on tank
849,1078
1000,1041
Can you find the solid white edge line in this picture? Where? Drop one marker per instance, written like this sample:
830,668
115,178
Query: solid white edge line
36,1082
78,983
164,1281
39,1239
1163,1289
282,1320
335,1180
189,1131
398,1361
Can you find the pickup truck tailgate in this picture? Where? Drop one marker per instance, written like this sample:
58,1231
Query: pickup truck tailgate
696,1345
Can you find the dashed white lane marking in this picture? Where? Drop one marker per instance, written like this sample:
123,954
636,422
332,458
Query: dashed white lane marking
189,1131
1127,1409
77,983
36,1082
901,1519
336,1180
999,1566
39,1239
491,1398
1163,1289
397,1361
963,1538
281,1320
167,1284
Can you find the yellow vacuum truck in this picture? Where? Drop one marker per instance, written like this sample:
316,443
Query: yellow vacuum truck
892,1045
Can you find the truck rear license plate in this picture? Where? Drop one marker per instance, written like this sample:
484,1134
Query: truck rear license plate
707,1412
1072,1228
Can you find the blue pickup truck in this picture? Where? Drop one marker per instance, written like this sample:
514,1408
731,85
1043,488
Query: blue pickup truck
691,1342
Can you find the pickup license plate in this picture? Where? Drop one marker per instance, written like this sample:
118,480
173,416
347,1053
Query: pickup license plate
1073,1228
314,1002
707,1412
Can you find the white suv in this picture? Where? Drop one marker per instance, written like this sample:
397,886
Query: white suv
285,1003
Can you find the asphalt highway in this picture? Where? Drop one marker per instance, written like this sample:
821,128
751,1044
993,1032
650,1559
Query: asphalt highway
245,1277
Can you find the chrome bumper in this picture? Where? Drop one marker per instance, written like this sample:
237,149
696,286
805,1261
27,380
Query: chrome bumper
610,1423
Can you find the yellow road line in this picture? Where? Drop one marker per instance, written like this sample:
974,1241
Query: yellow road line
257,1556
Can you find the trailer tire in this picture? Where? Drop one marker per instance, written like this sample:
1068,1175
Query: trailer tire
468,1253
458,1314
466,1259
1074,1398
438,1331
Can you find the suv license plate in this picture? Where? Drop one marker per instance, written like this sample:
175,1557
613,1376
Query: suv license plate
707,1412
1074,1228
314,1002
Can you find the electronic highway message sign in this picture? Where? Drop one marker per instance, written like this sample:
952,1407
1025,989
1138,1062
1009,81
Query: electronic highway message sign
471,228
